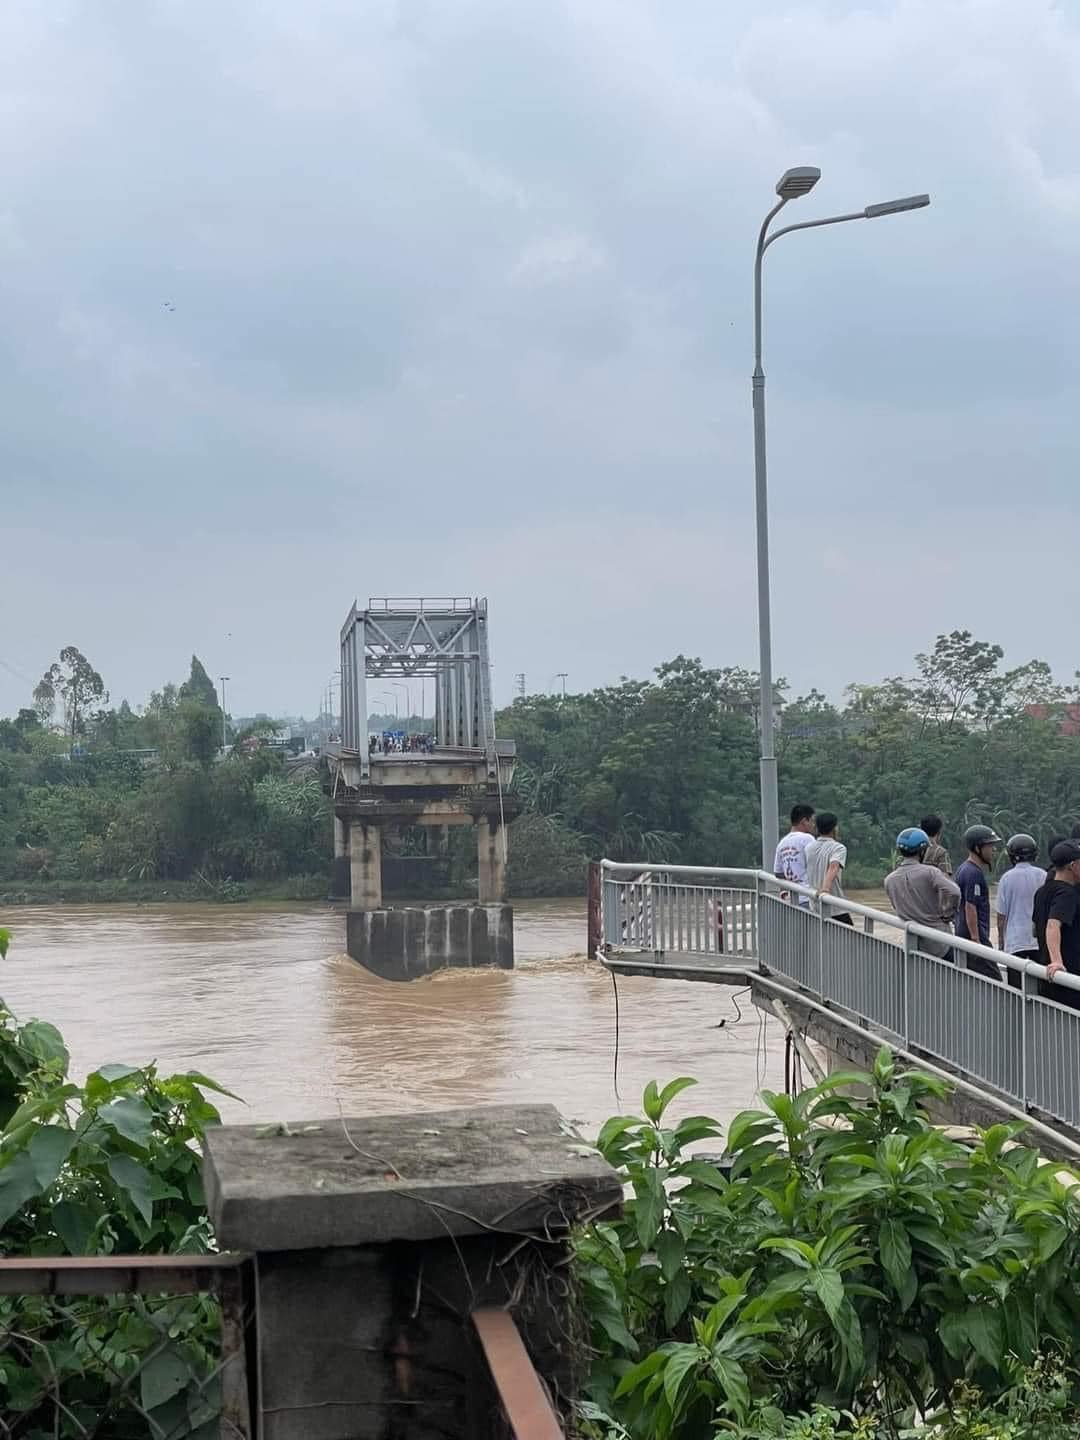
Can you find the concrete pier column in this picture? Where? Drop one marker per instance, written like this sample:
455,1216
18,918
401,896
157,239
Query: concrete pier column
340,882
365,864
491,870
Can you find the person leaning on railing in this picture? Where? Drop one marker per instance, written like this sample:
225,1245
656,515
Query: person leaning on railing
1056,912
921,892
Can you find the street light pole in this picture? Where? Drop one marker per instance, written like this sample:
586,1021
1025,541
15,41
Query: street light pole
224,731
791,185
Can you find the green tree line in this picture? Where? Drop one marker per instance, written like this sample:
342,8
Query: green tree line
663,769
666,769
77,805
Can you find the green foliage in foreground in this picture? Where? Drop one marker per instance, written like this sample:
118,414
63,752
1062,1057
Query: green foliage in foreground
859,1270
112,1166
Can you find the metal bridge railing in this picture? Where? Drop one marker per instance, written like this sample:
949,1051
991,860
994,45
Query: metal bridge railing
878,974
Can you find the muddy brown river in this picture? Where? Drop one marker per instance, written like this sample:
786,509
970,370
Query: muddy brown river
263,998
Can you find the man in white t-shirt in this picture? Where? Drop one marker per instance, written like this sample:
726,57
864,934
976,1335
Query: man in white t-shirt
1015,898
825,861
790,861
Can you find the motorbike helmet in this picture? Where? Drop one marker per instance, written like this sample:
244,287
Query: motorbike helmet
977,835
912,841
1021,847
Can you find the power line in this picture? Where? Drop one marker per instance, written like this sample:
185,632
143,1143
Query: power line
17,673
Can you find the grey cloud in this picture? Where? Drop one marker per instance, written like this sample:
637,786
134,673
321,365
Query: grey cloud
462,301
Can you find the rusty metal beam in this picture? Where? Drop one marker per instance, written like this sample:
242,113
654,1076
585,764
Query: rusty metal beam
523,1397
115,1274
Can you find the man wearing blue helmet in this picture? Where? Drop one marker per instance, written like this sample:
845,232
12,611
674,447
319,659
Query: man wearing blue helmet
922,893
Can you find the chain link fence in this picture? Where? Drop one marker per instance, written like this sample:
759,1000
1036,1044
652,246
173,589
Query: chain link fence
125,1348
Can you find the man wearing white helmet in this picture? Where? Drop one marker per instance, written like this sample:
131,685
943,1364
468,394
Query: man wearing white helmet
921,892
1016,893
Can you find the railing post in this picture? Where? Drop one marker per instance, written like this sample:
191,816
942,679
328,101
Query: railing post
910,946
595,909
1028,988
820,912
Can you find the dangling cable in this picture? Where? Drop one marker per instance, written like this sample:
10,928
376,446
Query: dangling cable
615,1066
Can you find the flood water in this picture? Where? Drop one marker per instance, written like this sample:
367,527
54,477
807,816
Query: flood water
263,999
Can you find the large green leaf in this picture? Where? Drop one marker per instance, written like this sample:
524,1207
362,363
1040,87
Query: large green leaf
74,1221
746,1121
677,1295
673,1088
640,1372
5,941
131,1117
40,1105
670,1251
205,1083
43,1043
733,1382
895,1252
163,1376
134,1179
680,1363
829,1287
18,1184
50,1146
649,1203
985,1331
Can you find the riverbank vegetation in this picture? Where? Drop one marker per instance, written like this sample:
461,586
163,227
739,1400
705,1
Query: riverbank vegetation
111,1166
856,1274
84,817
662,770
666,769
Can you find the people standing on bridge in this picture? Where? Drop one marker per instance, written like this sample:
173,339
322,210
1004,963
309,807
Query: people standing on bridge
1056,913
921,892
973,877
936,854
825,861
790,860
1016,893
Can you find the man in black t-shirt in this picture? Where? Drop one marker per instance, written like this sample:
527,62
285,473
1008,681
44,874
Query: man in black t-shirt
1056,913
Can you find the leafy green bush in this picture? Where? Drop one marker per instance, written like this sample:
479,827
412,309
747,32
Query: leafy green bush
112,1166
856,1259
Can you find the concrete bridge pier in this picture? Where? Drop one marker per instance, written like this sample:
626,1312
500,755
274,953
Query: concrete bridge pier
365,864
491,864
340,879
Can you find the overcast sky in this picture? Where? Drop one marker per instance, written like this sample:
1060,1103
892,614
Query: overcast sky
303,302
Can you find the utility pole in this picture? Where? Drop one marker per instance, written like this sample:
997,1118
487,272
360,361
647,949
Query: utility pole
561,675
792,185
519,684
224,730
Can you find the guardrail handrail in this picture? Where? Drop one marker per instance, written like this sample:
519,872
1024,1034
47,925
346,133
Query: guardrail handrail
723,873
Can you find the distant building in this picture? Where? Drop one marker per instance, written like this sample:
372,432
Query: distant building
1068,716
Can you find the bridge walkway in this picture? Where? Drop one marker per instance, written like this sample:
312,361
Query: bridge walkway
878,978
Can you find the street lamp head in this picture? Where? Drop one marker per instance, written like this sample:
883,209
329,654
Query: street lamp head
799,181
896,207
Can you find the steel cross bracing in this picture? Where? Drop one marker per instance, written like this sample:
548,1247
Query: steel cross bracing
415,638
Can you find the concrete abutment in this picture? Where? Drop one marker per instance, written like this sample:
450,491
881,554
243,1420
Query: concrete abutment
373,1241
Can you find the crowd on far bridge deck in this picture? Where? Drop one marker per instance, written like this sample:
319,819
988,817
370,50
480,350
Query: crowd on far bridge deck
1036,906
397,742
